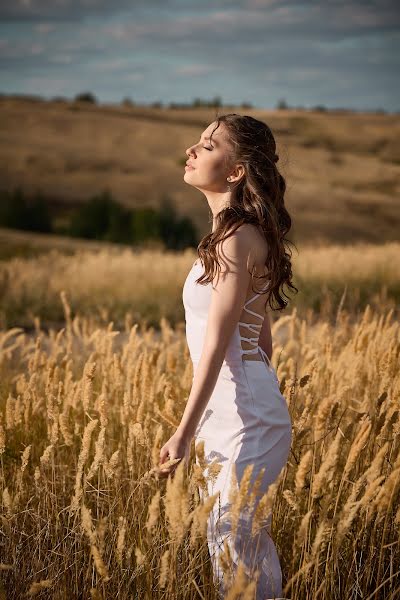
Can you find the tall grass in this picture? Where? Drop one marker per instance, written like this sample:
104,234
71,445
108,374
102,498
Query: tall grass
85,411
107,284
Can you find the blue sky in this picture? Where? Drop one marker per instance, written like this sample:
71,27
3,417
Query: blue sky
340,54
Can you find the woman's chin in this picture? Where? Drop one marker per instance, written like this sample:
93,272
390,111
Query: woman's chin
187,176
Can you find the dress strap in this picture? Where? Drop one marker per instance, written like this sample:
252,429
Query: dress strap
251,300
265,357
251,326
255,328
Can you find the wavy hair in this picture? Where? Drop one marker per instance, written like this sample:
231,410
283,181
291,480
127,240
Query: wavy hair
257,198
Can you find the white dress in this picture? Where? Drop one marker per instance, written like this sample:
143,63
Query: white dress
246,421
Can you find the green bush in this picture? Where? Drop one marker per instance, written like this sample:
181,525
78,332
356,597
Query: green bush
176,233
86,97
145,224
101,219
104,219
18,212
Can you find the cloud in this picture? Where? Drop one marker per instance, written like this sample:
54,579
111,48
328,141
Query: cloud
355,13
68,10
194,70
329,50
44,28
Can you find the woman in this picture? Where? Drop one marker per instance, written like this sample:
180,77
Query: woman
235,405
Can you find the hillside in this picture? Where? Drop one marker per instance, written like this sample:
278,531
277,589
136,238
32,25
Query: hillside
342,169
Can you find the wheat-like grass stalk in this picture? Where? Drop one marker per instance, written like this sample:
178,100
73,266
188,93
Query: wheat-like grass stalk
164,569
39,586
177,509
153,512
83,455
121,538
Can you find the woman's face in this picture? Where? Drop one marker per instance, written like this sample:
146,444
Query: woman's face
209,160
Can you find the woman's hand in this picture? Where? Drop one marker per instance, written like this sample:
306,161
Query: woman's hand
178,446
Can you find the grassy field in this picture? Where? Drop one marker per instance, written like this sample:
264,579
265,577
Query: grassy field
342,169
110,282
85,514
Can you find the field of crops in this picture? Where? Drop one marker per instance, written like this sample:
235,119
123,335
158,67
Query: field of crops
115,283
88,401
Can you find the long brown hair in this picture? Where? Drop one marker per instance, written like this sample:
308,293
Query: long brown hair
258,198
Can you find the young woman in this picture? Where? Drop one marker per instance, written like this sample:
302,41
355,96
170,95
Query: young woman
235,404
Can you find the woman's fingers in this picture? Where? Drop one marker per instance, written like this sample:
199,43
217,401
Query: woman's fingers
163,455
169,466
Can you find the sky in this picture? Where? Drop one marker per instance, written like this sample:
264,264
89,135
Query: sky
334,53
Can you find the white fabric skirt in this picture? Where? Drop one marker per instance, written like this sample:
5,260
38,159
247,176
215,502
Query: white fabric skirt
246,421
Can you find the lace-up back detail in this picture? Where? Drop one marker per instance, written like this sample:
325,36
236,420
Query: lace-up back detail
253,327
196,299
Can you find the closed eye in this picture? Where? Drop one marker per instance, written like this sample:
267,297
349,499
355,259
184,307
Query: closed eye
207,148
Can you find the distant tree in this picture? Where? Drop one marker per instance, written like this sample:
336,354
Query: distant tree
320,108
92,219
86,97
185,234
119,227
104,219
197,102
246,105
145,224
13,210
167,221
38,218
282,104
18,212
128,102
216,102
178,105
176,233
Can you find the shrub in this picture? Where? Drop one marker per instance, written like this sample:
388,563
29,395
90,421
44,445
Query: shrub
86,97
101,219
176,233
145,224
18,212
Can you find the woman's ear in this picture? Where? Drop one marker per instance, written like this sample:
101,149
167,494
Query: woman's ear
238,173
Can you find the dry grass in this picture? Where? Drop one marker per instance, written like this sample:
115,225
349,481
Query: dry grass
342,169
85,409
108,282
84,415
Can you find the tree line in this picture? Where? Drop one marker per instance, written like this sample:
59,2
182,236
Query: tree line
100,218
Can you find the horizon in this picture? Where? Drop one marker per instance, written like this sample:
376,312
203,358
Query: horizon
341,57
207,104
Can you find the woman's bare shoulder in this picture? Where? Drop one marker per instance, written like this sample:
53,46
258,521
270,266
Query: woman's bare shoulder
258,247
255,238
248,240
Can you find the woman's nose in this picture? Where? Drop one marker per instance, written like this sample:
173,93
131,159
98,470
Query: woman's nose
189,151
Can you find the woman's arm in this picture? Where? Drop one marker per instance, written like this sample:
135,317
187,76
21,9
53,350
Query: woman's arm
228,295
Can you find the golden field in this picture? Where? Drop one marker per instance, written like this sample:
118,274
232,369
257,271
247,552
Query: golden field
110,282
342,169
85,411
86,408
